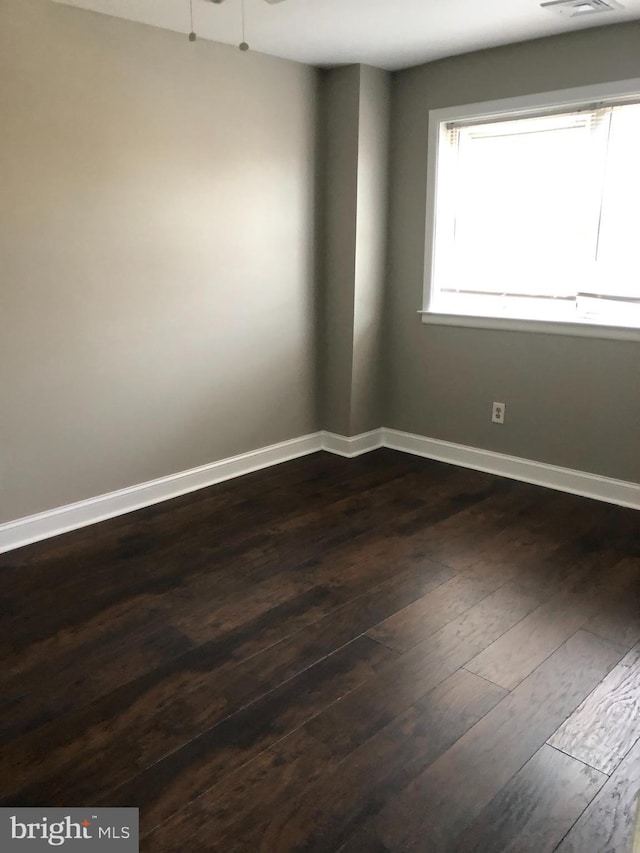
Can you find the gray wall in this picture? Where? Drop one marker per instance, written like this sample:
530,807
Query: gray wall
355,109
156,253
338,174
570,401
181,273
371,238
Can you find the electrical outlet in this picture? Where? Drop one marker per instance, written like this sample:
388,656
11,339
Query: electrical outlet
497,415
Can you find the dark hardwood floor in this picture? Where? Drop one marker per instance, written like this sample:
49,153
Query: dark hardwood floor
373,655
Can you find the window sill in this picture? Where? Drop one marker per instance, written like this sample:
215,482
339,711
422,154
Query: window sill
553,327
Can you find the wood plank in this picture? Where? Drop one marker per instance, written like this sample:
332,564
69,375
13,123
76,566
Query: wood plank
363,842
530,530
478,522
181,550
607,825
605,726
359,716
34,699
574,532
428,614
180,700
264,602
279,809
536,542
618,619
534,811
132,663
451,793
328,812
515,654
361,529
258,616
274,776
152,614
462,533
162,789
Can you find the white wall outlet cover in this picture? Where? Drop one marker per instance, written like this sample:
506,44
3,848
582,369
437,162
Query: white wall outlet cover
498,413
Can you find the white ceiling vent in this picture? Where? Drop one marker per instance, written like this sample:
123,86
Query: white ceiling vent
577,8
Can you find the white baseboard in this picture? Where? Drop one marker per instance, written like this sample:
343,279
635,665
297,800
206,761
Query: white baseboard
33,528
594,486
351,446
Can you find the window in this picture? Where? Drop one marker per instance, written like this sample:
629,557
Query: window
535,211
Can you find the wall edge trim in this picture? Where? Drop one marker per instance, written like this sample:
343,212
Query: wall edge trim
43,525
596,486
50,523
351,446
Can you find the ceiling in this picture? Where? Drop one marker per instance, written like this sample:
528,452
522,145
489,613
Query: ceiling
390,34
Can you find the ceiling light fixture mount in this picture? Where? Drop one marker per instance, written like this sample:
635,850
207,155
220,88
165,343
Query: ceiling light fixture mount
243,44
192,33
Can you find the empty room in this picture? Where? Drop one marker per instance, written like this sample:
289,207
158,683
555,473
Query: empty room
320,426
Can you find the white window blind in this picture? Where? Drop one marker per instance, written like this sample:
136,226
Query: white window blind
539,217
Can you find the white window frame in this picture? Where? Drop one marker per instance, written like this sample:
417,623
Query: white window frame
569,99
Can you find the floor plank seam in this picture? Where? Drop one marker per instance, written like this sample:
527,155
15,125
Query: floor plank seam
587,806
380,642
627,649
604,640
488,680
579,760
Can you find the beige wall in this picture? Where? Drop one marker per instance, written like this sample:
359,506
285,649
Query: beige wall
570,401
156,253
